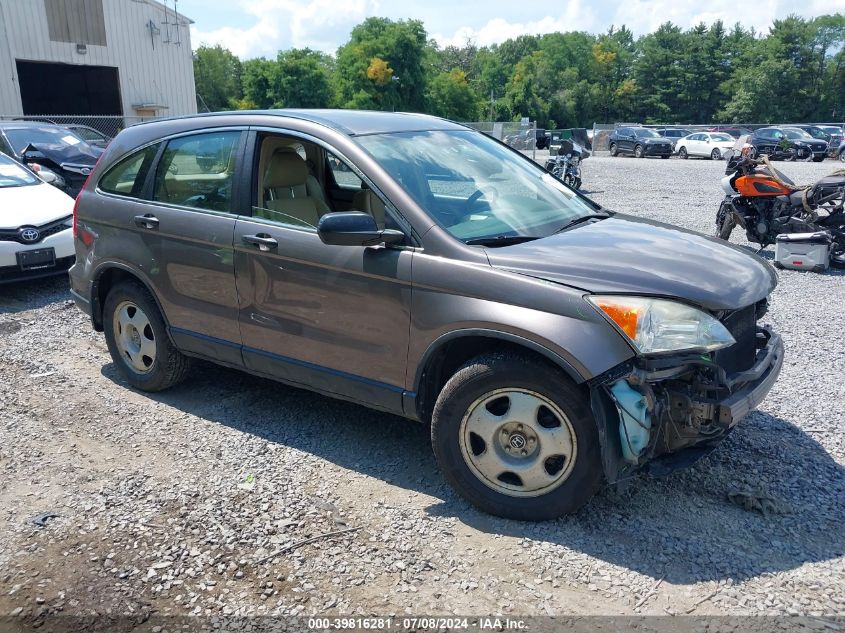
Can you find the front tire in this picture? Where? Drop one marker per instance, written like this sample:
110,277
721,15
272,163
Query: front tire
682,153
638,151
137,339
724,223
715,154
818,159
842,156
516,438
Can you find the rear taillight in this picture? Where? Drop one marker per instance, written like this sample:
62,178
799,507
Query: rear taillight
75,210
79,196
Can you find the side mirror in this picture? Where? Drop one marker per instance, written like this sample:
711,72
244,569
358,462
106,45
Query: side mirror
354,228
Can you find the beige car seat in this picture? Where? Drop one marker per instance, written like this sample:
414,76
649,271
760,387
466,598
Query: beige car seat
291,195
367,201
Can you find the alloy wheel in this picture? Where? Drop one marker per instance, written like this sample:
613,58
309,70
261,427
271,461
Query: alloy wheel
518,442
716,154
134,336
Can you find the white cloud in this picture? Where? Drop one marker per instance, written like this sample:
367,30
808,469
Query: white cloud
266,26
577,17
282,24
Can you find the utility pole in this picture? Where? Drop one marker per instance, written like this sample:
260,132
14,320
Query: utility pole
491,105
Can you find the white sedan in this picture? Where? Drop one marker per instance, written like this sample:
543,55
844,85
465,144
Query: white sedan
36,222
708,144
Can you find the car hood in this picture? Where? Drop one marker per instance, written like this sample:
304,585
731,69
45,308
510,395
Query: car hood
625,254
33,205
79,154
652,141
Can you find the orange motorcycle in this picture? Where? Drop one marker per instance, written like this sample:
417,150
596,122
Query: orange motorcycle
766,203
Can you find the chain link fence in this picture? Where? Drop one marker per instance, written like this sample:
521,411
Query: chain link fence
96,128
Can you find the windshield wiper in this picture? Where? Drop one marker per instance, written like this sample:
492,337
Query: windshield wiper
500,240
583,218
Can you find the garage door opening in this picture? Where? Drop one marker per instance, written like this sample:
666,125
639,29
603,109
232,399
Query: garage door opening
68,89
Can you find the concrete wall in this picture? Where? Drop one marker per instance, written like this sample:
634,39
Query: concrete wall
151,70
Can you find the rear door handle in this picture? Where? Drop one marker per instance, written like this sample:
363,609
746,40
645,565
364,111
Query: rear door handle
148,221
263,241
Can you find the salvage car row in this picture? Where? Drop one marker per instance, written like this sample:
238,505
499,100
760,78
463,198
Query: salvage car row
790,142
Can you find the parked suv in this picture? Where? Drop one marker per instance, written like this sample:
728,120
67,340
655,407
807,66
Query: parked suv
640,142
787,142
674,134
551,344
830,133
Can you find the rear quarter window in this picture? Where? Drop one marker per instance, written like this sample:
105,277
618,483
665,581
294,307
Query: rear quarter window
127,177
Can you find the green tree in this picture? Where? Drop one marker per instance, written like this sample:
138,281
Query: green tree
217,75
450,96
258,77
379,47
302,79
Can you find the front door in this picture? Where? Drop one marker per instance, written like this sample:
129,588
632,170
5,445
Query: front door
332,318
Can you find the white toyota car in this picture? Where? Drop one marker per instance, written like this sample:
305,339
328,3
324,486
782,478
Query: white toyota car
36,221
706,144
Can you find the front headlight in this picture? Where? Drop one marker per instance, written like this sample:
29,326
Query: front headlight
659,325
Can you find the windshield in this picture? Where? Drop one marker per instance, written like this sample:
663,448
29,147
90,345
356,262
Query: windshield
830,129
722,137
645,133
793,133
21,137
473,186
13,175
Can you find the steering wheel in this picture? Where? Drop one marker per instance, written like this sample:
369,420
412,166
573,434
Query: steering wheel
470,202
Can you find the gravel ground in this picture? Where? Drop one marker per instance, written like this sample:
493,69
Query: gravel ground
189,502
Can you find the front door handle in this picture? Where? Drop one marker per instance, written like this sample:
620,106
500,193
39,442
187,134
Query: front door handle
263,241
148,221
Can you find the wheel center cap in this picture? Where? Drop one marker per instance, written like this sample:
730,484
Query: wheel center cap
517,441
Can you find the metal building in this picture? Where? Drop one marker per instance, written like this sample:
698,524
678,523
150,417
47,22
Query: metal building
130,58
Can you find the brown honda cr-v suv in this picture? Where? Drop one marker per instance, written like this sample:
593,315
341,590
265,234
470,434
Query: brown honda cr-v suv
416,266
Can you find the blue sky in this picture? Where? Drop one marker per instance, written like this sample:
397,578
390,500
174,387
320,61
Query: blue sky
252,28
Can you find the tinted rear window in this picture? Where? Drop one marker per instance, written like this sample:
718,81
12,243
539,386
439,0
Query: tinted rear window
127,177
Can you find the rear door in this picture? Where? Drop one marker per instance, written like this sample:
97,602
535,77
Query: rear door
179,233
331,318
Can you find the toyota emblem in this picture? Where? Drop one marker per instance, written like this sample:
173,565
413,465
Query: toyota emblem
30,235
85,171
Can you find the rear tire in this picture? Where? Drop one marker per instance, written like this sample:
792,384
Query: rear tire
682,153
515,437
137,339
842,155
614,150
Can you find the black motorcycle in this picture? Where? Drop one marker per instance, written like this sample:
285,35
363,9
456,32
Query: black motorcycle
566,166
766,203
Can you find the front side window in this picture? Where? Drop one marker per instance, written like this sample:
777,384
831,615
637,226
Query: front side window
127,177
474,187
197,171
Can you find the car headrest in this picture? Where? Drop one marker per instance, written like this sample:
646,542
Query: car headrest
287,169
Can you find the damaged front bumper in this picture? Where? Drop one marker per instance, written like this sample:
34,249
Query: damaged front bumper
655,415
